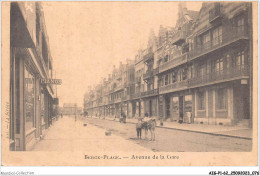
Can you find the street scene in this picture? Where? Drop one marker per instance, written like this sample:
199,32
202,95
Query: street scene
70,135
108,76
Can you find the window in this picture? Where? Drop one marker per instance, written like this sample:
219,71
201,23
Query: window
205,41
219,65
240,25
221,99
184,73
228,61
201,70
166,80
166,58
201,100
29,93
190,71
217,36
240,59
174,77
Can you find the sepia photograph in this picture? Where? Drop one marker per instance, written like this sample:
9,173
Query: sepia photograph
129,83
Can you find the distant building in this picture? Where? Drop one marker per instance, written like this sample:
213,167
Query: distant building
70,109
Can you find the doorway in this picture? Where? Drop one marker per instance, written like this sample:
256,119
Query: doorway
150,108
167,105
181,109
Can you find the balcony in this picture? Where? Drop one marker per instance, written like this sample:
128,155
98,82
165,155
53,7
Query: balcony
111,101
126,97
229,37
238,72
179,38
136,95
174,87
149,93
173,63
215,14
138,79
150,73
148,56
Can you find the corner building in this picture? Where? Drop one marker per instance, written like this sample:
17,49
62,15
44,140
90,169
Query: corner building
212,76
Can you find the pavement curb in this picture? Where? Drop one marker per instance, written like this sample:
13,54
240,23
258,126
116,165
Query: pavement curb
202,132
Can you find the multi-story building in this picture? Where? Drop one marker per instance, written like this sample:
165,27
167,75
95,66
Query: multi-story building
175,98
200,71
31,61
137,103
211,77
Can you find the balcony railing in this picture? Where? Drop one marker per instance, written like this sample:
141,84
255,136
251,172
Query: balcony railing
152,92
126,97
236,72
136,95
228,37
179,38
215,13
118,100
148,56
174,86
173,63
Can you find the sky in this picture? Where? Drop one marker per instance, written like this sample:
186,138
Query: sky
87,38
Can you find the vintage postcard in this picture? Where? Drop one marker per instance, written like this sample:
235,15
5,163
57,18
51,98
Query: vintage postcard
129,83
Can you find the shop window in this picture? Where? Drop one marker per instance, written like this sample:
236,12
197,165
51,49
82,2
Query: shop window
222,99
29,93
201,100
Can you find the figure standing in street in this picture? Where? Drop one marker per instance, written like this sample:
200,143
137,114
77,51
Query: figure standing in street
139,128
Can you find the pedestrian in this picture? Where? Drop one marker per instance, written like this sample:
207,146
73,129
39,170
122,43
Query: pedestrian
139,128
61,115
75,117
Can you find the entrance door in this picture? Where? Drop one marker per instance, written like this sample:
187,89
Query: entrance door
167,105
181,109
150,108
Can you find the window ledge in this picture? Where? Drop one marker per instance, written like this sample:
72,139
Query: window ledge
201,110
221,110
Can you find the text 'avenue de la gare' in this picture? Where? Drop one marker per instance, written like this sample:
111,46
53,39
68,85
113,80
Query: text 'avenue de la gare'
136,157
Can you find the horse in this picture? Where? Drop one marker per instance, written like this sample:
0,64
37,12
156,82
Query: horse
149,125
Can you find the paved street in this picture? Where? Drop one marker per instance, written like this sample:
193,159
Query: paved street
169,140
68,135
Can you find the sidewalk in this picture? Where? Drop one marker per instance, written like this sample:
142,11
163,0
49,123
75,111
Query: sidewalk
230,131
69,135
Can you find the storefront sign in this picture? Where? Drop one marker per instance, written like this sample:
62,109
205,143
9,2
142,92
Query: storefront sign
51,81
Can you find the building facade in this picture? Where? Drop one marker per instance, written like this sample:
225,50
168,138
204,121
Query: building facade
31,101
199,71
